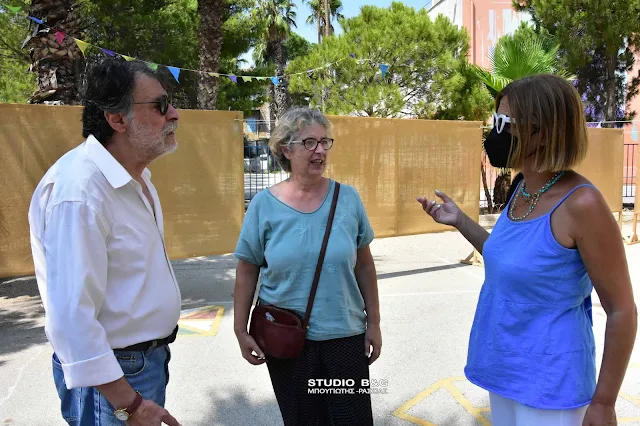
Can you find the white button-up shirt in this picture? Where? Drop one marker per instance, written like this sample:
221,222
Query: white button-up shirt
103,273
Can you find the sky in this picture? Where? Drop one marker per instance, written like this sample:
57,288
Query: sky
350,8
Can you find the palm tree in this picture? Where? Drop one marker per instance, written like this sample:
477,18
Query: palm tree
58,66
319,15
261,59
513,58
277,17
210,43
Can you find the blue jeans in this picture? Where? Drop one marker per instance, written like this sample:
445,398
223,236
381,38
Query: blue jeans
147,372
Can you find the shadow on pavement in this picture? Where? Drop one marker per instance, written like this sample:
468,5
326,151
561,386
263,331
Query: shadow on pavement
204,280
21,315
420,271
236,409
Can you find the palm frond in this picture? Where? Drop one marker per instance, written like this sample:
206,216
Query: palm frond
513,59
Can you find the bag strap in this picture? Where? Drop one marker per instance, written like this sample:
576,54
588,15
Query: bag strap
316,278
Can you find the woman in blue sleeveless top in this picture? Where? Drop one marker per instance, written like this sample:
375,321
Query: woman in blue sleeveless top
531,344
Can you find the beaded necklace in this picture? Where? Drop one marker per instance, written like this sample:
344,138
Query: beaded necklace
532,199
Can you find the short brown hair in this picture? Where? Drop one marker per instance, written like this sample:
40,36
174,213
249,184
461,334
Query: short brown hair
548,104
289,126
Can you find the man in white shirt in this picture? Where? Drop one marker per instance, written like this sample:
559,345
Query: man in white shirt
111,299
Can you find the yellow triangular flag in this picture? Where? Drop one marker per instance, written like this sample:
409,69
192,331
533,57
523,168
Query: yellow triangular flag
82,45
128,58
214,74
245,79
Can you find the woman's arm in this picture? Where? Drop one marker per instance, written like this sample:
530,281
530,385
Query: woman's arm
245,288
449,213
473,232
598,239
367,279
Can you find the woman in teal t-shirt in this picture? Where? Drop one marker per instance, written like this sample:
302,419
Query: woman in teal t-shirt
280,241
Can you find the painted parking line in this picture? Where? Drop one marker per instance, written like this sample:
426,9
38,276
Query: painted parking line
200,322
448,385
477,412
635,401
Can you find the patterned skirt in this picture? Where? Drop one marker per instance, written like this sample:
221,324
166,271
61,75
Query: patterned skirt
324,385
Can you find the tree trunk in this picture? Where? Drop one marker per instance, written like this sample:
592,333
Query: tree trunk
273,109
210,43
500,189
283,99
320,27
58,66
485,186
327,18
610,89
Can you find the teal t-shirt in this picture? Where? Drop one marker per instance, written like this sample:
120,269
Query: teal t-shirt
286,244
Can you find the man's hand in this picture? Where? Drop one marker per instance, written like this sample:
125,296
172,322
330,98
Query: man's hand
121,395
151,414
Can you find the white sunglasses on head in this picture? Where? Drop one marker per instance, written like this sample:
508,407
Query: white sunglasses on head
499,121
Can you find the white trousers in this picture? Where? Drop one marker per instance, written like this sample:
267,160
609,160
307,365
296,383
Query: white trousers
506,412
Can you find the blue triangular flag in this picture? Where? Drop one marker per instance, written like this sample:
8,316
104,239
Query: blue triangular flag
108,52
352,55
36,20
384,69
176,72
275,80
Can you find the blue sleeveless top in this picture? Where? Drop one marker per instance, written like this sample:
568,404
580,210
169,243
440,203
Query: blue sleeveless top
532,339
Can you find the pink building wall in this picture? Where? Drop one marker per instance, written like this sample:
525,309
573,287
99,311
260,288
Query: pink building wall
487,21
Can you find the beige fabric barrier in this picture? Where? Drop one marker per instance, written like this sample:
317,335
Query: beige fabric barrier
603,165
633,238
201,185
392,161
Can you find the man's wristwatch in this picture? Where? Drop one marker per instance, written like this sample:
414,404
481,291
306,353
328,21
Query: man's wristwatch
124,413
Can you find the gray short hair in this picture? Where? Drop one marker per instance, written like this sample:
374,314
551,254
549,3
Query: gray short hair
288,128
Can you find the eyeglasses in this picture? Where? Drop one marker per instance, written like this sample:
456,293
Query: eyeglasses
500,121
311,144
163,101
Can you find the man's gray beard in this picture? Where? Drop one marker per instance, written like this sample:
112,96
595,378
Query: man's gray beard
149,145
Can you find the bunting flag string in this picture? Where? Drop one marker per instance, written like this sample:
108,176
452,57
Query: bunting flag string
175,71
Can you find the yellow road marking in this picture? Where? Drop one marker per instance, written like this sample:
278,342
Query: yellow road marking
466,404
184,322
448,385
476,412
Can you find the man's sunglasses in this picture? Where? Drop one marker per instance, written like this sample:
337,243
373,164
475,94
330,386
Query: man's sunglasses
163,101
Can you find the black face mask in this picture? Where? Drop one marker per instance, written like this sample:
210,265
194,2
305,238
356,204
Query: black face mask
498,146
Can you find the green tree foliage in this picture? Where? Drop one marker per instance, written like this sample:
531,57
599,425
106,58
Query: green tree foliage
427,76
16,82
159,31
598,39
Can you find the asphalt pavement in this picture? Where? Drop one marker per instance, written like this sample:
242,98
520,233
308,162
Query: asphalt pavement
427,302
